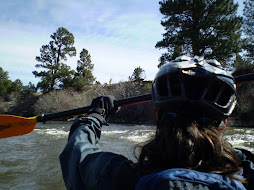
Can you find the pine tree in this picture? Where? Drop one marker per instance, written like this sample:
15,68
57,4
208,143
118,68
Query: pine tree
52,60
248,28
193,26
5,83
84,75
138,74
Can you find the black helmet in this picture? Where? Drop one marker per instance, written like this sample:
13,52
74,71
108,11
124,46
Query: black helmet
196,87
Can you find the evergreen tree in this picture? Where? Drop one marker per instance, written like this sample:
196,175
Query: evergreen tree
193,26
138,74
7,86
52,59
242,66
29,89
248,28
17,86
5,83
66,76
84,75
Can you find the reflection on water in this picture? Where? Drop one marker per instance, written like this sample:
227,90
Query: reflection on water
31,161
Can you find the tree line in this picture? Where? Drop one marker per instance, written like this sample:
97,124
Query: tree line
56,74
209,28
7,86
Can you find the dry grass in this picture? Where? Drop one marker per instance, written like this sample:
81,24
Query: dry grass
60,100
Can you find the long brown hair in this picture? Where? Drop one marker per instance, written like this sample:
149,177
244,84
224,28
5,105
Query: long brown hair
186,143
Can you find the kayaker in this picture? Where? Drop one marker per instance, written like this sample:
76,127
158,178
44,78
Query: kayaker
193,99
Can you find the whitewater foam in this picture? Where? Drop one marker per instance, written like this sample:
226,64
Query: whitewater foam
55,132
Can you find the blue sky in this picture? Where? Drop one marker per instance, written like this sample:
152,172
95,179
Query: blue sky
119,35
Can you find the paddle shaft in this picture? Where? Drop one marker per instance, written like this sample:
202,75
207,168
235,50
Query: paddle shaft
118,103
244,78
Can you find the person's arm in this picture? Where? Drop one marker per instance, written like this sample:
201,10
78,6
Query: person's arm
84,166
81,142
247,163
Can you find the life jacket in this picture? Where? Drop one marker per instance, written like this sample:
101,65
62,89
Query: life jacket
180,178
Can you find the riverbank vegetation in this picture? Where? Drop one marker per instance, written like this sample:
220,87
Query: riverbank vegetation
60,100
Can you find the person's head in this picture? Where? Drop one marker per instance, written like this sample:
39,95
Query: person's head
194,88
193,97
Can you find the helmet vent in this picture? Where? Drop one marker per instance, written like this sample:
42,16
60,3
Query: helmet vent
162,87
212,92
225,96
198,83
219,94
175,85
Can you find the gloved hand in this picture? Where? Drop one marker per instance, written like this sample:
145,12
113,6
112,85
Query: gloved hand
103,107
107,103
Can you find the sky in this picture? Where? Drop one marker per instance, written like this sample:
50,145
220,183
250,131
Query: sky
119,35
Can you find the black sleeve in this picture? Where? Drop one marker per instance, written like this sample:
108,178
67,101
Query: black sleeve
247,159
86,167
106,170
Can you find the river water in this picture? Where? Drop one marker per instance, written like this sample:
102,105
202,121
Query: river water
31,161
